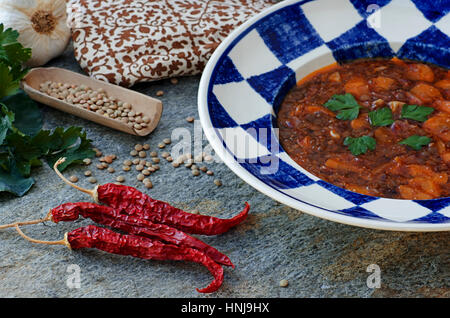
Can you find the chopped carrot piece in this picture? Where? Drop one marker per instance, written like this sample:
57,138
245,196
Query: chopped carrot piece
438,125
361,122
410,193
319,109
357,86
427,172
383,135
442,105
419,72
444,84
335,77
426,185
344,166
382,83
426,93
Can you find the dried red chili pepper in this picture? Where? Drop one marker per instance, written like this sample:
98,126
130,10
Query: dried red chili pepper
109,241
111,217
135,203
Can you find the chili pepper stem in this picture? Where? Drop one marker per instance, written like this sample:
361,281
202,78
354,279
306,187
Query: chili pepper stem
60,242
92,193
47,218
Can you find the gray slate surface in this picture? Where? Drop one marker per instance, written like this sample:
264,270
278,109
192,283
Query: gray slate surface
319,258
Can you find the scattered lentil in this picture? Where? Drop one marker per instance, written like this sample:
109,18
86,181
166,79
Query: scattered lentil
167,141
140,177
127,162
88,173
136,161
87,161
155,159
73,179
133,153
92,180
161,145
138,147
153,154
159,93
100,166
142,154
146,146
165,154
217,182
195,172
174,80
126,168
209,173
190,119
148,184
139,167
111,170
284,283
120,179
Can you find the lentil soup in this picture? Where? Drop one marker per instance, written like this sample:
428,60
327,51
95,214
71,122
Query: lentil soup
377,127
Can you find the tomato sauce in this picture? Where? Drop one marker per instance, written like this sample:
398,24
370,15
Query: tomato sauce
312,135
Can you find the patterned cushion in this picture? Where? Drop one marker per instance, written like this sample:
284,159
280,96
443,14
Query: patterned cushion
126,42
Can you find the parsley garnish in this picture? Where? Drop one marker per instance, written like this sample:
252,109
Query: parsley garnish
381,117
416,112
346,106
360,145
416,142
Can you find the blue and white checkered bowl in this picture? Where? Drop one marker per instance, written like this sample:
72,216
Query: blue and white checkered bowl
249,74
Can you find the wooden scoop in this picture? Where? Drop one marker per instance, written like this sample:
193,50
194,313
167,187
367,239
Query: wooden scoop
150,107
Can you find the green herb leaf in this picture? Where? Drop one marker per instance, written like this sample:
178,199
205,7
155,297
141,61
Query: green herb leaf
6,122
12,53
27,113
381,117
360,145
8,85
12,181
346,106
416,142
416,112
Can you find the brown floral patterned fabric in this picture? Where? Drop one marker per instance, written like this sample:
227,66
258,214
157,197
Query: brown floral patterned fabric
129,41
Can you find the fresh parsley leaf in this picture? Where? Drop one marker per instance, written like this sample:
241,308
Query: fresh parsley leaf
381,117
416,142
346,106
6,122
12,181
27,113
360,145
8,85
416,112
12,53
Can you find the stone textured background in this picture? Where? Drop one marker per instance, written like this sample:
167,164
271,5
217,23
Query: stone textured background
319,258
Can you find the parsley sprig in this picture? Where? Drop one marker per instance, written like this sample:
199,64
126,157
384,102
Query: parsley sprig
416,112
346,106
416,142
381,117
360,145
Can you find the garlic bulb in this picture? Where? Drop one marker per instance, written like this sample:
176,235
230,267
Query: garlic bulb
41,24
